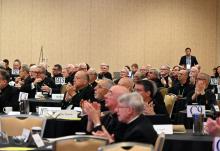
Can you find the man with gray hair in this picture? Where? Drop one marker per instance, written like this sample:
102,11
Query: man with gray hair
134,126
193,75
92,77
24,77
164,76
202,95
153,75
101,90
42,83
104,72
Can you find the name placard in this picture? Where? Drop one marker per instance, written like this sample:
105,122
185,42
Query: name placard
214,81
15,71
38,141
25,134
43,110
23,96
166,128
57,96
59,80
195,109
216,144
218,87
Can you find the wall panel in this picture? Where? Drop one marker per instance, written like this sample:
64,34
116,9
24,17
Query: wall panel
116,32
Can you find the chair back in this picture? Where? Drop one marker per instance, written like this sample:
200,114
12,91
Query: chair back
159,142
63,89
169,101
80,143
127,146
14,126
163,91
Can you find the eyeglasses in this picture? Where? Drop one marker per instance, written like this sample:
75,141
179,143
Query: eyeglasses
121,107
38,72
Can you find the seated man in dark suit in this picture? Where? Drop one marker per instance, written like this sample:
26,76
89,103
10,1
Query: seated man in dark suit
7,68
41,83
101,90
109,120
133,126
92,77
165,76
153,75
15,69
58,77
104,73
182,88
188,61
23,82
153,100
8,95
80,90
201,94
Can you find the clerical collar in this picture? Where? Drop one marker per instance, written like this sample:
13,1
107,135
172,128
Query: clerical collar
133,119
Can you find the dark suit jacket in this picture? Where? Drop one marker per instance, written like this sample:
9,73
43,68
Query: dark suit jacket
139,130
27,87
85,93
179,89
9,97
193,61
208,99
159,105
107,75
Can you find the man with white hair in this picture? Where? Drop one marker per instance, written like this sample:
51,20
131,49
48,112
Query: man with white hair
123,73
45,65
153,75
164,76
193,75
134,126
104,73
92,77
102,88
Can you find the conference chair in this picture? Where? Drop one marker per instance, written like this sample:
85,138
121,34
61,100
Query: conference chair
169,101
163,91
127,146
80,143
159,142
14,125
63,89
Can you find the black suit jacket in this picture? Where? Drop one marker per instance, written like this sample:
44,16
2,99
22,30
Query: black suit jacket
193,61
9,97
85,93
139,130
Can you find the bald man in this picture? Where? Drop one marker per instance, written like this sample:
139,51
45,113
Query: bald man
110,120
78,91
126,82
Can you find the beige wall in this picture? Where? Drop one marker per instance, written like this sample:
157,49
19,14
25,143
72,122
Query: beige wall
118,32
218,33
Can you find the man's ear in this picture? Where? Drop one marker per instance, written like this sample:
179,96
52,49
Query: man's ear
148,93
130,110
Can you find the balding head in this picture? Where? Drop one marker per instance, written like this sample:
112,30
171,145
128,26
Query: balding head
126,82
113,94
183,76
81,80
102,88
194,72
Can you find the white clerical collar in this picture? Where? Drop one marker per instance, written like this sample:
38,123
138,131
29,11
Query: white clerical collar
133,119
